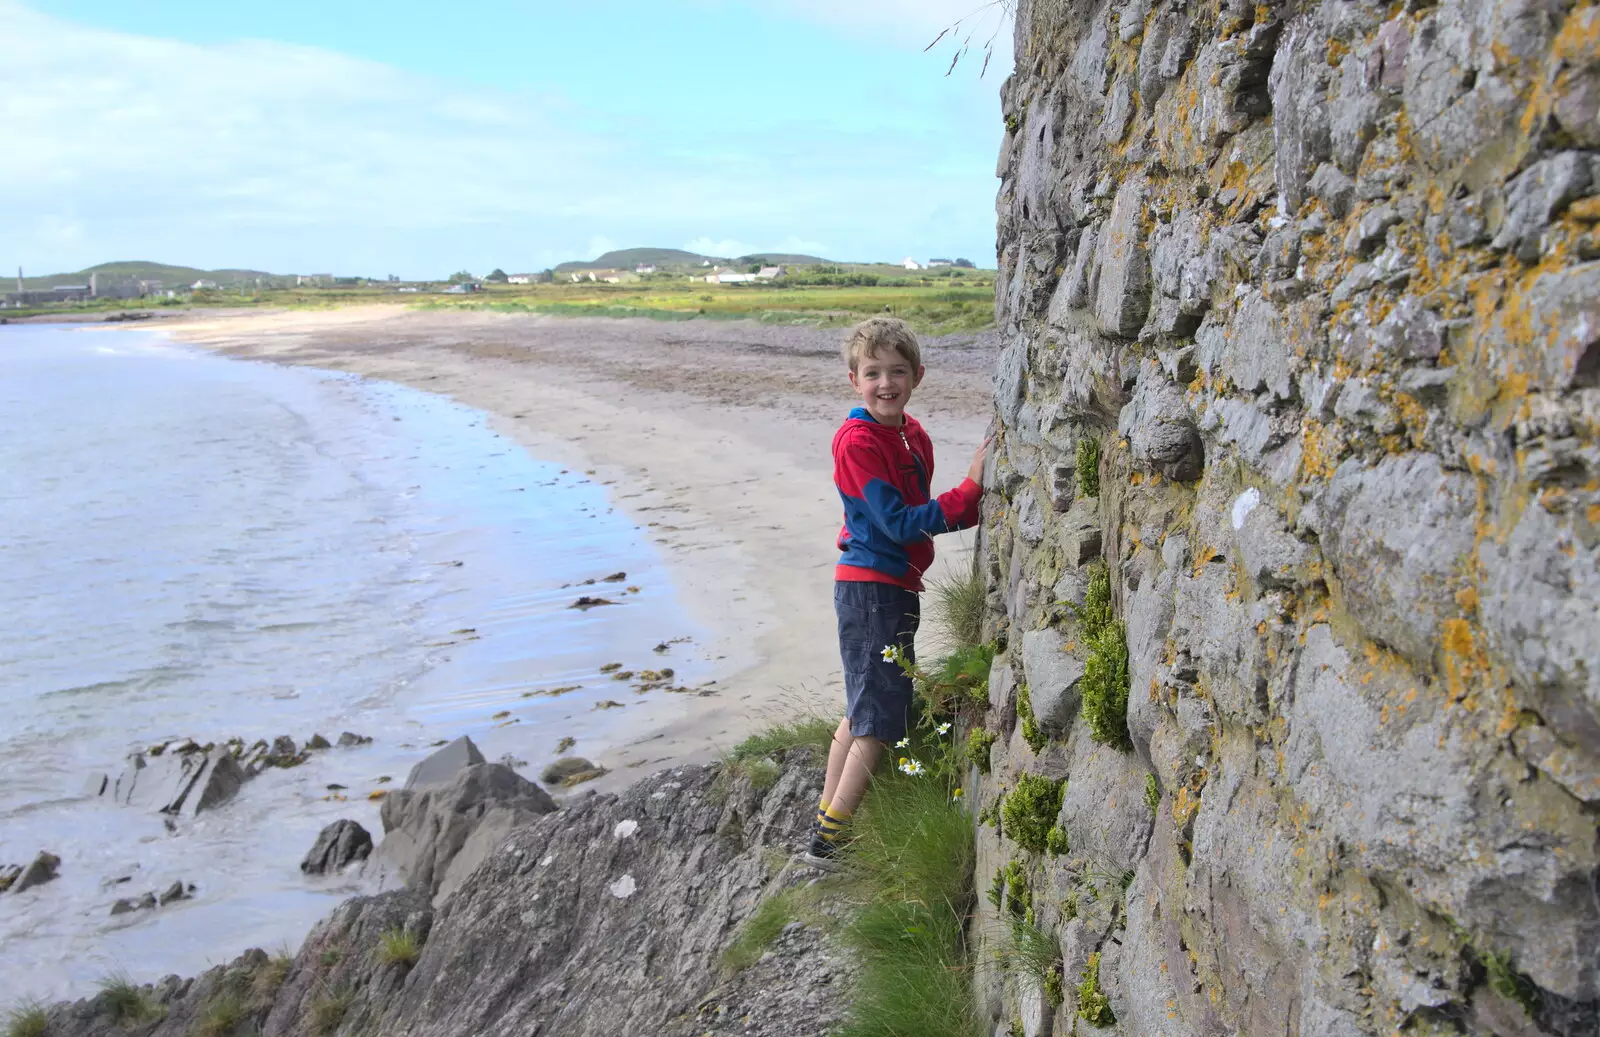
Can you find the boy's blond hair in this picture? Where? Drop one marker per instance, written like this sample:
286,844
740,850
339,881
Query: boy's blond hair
875,334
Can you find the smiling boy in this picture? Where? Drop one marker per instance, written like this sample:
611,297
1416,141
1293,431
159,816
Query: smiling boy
883,467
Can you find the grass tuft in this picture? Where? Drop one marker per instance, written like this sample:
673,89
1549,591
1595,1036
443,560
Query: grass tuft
328,1011
1088,467
811,732
1030,811
271,976
28,1019
399,946
960,603
128,1002
1034,954
221,1017
1152,793
758,931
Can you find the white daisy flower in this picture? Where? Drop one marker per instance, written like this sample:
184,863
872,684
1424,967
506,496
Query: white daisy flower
913,767
891,654
943,728
902,743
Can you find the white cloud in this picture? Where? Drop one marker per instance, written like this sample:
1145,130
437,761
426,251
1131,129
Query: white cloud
286,157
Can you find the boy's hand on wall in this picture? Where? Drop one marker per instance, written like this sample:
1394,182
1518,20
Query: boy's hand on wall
975,470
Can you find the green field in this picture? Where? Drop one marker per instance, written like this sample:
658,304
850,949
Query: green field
966,305
939,303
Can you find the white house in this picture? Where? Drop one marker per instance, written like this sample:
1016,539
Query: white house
644,268
910,264
937,262
767,273
522,278
734,277
200,285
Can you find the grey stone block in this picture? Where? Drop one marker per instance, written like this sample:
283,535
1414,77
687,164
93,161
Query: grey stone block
1161,433
1122,299
1052,673
1538,601
1397,535
1537,196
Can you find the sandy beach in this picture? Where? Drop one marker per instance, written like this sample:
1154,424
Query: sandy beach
713,436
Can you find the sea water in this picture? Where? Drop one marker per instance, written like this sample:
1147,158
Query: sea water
193,546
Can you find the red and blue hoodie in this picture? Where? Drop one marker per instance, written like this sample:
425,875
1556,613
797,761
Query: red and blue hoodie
883,473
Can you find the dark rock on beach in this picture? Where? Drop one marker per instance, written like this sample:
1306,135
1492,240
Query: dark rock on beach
339,845
570,771
15,878
435,835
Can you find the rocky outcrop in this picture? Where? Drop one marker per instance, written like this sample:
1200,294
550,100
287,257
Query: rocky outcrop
1301,343
608,917
338,846
185,778
436,835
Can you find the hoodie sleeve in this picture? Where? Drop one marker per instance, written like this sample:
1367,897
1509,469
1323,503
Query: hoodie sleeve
864,474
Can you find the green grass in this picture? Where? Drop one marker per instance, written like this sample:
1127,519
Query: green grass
328,1011
128,1002
912,860
1034,954
221,1017
928,306
1088,467
28,1019
1030,811
810,732
759,930
1152,793
399,946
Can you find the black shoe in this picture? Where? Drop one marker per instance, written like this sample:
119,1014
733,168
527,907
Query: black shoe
823,854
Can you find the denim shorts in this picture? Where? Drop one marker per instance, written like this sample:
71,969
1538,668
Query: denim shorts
877,693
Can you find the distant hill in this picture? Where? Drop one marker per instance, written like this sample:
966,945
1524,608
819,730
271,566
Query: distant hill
136,270
781,259
629,258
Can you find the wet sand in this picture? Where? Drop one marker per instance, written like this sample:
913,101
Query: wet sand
712,435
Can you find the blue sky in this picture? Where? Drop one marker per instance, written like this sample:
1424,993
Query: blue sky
417,139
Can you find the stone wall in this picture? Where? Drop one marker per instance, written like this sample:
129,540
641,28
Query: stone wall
1301,324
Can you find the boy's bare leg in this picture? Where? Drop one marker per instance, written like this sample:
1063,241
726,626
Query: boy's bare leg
838,752
858,767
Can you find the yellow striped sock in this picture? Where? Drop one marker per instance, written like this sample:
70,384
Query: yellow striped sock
834,824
